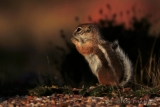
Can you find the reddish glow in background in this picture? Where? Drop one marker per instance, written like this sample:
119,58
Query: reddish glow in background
45,19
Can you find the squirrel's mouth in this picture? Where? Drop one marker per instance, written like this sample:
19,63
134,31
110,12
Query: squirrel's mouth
73,39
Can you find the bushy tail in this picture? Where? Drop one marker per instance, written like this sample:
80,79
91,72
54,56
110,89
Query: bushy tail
126,63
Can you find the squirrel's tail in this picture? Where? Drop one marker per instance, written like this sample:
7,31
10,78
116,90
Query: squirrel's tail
126,64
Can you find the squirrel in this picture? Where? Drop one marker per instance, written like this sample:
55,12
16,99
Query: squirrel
106,59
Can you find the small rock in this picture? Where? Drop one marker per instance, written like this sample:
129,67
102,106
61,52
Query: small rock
39,99
10,105
140,105
13,102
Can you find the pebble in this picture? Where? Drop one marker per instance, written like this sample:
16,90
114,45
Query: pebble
60,100
39,99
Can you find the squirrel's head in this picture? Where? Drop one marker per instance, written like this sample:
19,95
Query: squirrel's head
86,37
86,32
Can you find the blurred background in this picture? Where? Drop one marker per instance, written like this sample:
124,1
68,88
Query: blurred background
35,46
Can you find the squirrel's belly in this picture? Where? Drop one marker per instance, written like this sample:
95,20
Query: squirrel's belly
94,63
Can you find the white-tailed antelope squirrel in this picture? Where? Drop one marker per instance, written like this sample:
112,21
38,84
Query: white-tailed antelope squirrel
106,60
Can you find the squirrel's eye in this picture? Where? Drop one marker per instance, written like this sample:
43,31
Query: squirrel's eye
79,29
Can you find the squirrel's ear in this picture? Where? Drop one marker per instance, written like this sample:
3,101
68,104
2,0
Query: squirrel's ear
115,44
95,29
89,29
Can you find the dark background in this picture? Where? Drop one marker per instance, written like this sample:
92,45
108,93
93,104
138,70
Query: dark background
35,46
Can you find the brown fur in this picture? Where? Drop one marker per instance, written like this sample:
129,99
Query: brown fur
86,39
85,49
109,77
